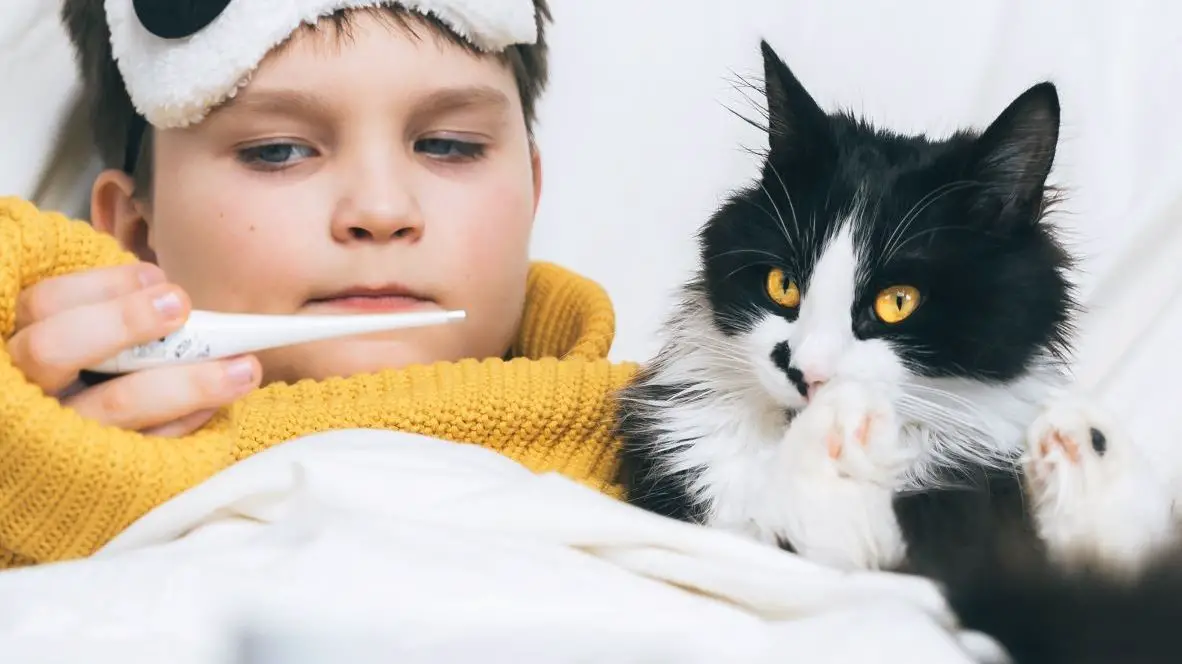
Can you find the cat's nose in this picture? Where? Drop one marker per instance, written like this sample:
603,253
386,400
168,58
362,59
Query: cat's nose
807,382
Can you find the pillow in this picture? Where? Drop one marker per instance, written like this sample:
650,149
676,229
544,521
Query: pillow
45,153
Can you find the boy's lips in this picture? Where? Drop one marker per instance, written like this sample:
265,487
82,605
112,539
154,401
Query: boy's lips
370,299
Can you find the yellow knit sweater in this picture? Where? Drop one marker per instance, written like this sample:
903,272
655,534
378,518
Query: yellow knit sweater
68,485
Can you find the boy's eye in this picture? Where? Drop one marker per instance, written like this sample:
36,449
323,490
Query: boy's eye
275,155
448,148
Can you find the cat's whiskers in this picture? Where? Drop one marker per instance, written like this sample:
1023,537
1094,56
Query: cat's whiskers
779,218
922,204
951,396
739,269
788,197
773,217
917,208
932,412
935,397
812,230
742,87
735,252
933,231
955,431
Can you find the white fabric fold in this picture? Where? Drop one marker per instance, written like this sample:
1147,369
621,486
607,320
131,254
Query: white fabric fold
421,550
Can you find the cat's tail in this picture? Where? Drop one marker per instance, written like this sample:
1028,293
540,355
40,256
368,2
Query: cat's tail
1042,614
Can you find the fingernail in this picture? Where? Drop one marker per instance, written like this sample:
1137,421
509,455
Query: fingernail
150,275
168,304
240,372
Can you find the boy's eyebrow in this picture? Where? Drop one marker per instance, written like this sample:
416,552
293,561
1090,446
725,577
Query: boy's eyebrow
438,102
446,100
280,102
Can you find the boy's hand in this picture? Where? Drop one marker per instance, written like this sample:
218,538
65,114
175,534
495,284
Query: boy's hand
68,323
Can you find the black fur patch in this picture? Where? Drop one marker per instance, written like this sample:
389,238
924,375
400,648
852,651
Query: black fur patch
1042,614
649,485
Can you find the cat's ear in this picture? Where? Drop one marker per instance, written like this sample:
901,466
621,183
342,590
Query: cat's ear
1015,153
797,126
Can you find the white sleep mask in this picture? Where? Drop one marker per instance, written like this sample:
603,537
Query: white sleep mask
181,58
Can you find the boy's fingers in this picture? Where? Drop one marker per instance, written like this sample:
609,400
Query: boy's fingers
159,399
52,351
53,296
182,427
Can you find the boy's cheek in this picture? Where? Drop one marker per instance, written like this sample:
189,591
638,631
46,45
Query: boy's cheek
230,264
489,254
496,247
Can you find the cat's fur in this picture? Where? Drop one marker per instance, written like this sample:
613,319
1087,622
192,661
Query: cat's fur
944,445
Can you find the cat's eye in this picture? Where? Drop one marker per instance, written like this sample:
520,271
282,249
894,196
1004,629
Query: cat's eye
781,289
896,303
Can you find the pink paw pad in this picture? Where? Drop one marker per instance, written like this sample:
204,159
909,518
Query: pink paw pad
834,441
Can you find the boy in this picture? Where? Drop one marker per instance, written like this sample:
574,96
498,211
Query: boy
372,160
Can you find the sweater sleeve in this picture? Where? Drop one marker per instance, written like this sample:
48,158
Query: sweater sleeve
68,485
58,471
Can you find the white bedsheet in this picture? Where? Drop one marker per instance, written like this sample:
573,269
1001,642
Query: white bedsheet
377,546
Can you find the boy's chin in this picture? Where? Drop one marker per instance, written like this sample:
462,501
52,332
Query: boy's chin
342,358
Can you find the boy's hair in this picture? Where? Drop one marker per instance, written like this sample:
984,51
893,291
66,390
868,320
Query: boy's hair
112,114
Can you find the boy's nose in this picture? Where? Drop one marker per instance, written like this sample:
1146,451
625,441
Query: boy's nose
378,221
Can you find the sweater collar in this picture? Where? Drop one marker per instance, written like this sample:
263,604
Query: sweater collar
566,315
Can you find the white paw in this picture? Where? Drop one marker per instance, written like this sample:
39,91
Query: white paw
1094,495
829,492
1066,449
858,430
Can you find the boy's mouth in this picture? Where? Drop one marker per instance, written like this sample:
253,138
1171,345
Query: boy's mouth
390,298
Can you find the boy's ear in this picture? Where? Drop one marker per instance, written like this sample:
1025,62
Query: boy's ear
114,211
536,164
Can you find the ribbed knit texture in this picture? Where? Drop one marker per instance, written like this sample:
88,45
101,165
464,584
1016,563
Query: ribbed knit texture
68,485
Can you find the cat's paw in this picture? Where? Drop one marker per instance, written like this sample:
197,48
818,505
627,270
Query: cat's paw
1066,448
859,431
1094,495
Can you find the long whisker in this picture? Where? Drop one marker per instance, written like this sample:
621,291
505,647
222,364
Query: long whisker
772,217
739,269
734,252
779,215
933,231
788,196
951,396
911,213
916,210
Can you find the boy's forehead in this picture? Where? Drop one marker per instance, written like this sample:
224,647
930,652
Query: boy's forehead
339,30
400,35
317,64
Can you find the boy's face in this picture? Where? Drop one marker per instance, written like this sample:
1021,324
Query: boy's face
371,173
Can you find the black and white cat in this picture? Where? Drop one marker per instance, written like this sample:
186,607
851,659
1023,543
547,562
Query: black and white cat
870,369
